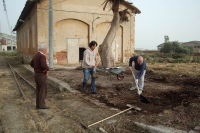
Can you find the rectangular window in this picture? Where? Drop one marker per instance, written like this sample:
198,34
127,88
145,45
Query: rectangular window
24,40
17,41
8,47
33,35
8,41
21,41
28,38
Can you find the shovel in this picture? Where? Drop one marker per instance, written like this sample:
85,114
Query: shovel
142,98
95,75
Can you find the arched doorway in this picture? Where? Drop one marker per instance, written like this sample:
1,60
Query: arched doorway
117,44
70,36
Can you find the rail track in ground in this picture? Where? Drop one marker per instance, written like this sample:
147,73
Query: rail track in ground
66,111
36,119
171,104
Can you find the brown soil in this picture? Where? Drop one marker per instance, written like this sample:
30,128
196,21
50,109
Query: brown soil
174,98
174,101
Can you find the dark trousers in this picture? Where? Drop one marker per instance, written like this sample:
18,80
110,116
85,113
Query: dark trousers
41,89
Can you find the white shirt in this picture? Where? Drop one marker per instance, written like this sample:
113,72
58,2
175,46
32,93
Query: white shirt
41,53
89,58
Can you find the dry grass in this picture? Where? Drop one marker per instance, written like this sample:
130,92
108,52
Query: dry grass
176,68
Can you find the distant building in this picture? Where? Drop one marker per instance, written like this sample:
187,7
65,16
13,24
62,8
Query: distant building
160,46
7,43
194,44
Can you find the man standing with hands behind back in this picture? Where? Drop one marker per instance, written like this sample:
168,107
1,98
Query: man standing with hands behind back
41,71
139,72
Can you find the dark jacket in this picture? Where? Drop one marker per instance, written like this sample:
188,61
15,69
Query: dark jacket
138,67
39,63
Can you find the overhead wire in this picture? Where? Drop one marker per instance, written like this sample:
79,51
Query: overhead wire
4,5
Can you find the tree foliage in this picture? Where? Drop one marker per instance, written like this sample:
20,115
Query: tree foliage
175,47
167,48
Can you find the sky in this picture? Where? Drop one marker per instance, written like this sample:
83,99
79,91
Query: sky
179,19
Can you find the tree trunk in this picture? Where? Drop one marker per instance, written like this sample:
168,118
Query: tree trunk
105,49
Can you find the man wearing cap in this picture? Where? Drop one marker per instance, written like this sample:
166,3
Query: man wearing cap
139,72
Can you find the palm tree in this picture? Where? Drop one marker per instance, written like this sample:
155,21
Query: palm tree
119,16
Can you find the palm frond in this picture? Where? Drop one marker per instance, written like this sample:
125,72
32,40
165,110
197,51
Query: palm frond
123,15
130,6
124,3
105,4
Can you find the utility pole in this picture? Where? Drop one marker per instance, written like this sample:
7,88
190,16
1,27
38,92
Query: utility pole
50,35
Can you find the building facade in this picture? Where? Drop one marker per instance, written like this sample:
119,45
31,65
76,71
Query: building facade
194,44
7,42
75,24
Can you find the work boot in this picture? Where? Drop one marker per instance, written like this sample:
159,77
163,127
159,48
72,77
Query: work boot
94,92
82,89
132,88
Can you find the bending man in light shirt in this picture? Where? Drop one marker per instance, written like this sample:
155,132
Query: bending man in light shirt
139,72
88,65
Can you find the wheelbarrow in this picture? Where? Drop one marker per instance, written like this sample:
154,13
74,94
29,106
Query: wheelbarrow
118,71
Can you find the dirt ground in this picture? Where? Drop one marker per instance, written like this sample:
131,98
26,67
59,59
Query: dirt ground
172,89
174,95
67,110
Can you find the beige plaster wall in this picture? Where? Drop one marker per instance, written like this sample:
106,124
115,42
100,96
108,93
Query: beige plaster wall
27,36
75,19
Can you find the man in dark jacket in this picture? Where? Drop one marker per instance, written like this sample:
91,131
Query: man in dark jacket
41,71
139,72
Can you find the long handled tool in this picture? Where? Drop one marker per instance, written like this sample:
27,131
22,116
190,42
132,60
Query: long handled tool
95,75
142,98
128,105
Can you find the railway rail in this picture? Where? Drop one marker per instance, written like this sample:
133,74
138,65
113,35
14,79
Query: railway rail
69,109
64,107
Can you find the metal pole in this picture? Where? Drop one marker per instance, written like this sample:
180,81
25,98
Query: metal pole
50,35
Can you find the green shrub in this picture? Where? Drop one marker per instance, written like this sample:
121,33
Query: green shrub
175,47
8,53
196,60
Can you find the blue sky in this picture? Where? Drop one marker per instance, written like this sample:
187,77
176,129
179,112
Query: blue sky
179,19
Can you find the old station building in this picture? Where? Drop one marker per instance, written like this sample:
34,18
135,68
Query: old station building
75,24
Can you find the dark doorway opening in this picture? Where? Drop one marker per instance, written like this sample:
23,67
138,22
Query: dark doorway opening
81,50
8,47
